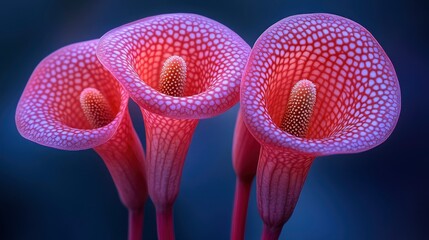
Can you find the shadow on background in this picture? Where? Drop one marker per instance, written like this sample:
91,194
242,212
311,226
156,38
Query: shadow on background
51,194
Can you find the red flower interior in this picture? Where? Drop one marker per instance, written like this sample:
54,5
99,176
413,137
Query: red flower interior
215,57
315,84
49,111
358,96
178,68
71,102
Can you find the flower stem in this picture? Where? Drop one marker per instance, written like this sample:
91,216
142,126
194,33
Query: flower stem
270,233
241,202
135,224
164,222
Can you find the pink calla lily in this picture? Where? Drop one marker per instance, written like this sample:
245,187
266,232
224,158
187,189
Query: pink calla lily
179,68
72,103
314,85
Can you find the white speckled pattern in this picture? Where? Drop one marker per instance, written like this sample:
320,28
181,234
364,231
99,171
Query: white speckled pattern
49,110
215,57
358,94
50,113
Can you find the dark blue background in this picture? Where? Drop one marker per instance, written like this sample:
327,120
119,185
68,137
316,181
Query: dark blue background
52,194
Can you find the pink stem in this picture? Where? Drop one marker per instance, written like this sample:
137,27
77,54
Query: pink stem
135,224
164,222
241,202
269,233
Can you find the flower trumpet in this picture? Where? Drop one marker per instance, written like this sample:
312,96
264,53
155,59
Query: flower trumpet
72,103
314,85
178,68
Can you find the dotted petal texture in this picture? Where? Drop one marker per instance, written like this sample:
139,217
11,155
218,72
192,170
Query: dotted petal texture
215,57
49,110
358,94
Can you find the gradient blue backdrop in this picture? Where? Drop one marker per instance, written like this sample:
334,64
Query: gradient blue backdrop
51,194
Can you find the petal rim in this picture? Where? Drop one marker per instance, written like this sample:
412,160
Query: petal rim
213,101
60,135
270,134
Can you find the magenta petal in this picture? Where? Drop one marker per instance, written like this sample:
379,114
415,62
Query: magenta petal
49,111
358,100
215,58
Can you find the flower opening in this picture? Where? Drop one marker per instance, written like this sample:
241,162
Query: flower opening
358,95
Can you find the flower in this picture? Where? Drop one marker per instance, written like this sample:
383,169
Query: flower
178,68
314,85
72,103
